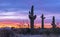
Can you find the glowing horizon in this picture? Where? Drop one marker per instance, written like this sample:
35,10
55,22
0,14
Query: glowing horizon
24,25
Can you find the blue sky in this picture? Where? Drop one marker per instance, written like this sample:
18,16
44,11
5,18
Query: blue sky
47,5
15,9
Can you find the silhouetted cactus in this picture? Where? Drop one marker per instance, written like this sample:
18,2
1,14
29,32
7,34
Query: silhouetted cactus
32,17
53,22
42,17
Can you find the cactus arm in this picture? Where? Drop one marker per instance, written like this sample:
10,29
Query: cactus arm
29,12
34,17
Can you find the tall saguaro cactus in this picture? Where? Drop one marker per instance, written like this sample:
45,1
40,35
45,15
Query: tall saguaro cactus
42,17
53,22
32,17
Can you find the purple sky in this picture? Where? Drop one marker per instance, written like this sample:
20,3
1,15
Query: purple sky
19,9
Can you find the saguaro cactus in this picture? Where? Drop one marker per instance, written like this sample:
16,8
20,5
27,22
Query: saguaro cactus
42,17
53,22
32,17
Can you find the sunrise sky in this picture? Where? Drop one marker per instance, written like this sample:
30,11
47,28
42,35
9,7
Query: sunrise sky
18,10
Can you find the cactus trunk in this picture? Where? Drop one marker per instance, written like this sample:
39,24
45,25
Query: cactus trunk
53,22
32,17
42,17
42,23
32,24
